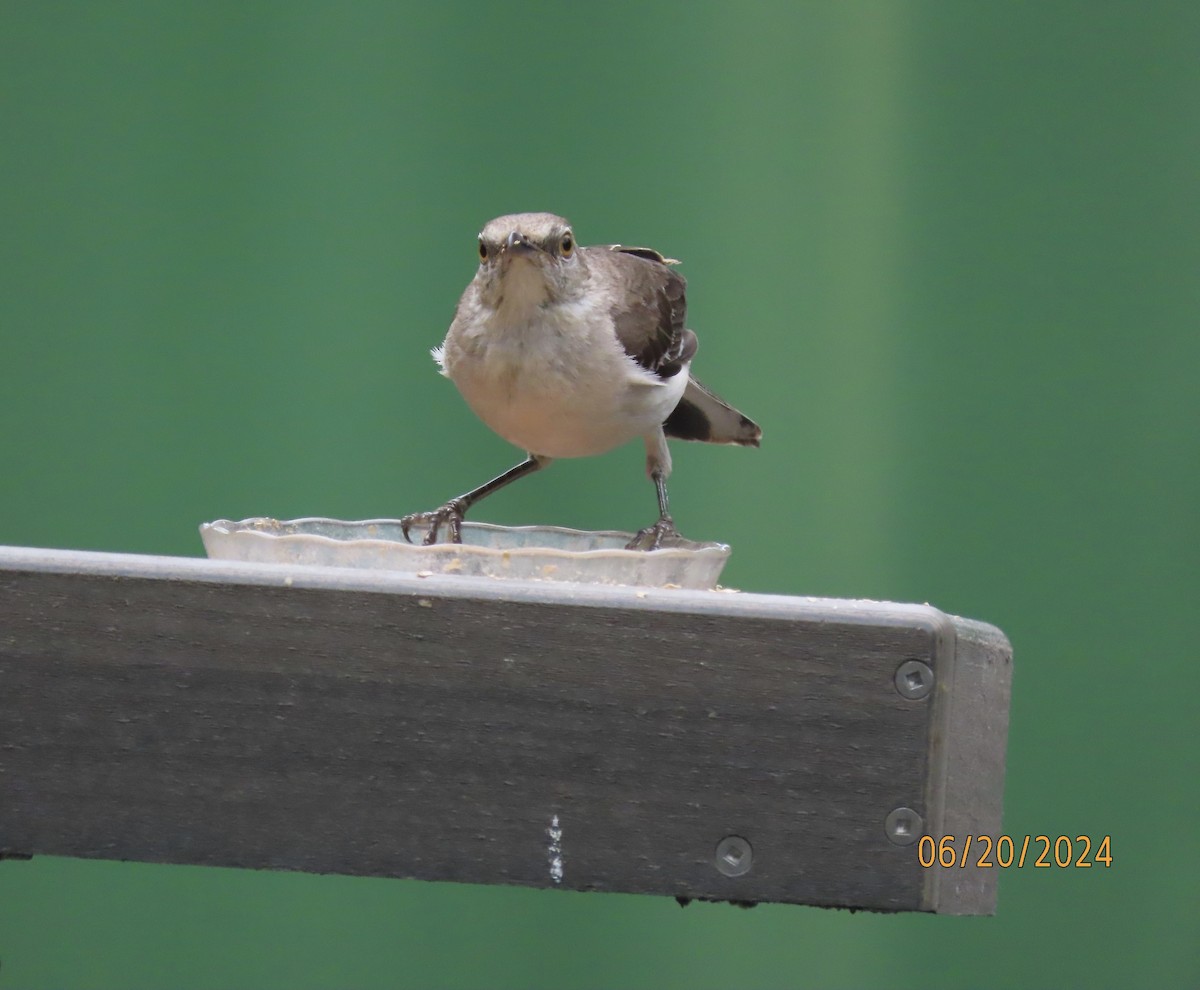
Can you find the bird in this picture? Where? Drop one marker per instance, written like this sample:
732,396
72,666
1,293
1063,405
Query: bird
571,351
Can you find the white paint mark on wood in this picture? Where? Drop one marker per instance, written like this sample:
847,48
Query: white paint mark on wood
554,832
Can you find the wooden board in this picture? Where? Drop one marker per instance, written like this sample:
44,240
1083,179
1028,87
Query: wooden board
178,710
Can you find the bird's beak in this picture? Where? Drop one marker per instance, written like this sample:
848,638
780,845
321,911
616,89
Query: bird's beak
517,244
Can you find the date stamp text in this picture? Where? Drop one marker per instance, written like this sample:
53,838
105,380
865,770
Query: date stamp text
1005,851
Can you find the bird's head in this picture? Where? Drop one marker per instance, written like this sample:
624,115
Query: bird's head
528,260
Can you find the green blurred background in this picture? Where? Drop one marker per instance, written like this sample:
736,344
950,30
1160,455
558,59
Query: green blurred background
947,254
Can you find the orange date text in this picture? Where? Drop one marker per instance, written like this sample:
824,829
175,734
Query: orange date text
1004,851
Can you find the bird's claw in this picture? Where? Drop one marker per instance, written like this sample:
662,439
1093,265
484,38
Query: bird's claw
653,537
449,515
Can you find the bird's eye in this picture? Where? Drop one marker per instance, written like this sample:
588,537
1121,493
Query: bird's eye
567,245
483,251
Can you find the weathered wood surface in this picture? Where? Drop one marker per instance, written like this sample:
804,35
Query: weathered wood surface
190,711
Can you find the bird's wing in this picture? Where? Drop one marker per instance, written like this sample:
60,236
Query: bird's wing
652,306
644,252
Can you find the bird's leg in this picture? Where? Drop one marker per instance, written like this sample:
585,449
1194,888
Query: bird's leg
653,537
451,514
658,467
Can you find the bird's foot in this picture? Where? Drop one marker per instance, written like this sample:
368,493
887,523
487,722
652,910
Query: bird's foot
654,537
449,515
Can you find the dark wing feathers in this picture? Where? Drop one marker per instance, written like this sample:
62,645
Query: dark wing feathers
649,323
650,319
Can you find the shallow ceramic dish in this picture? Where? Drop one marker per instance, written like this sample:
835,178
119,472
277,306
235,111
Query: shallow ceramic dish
525,553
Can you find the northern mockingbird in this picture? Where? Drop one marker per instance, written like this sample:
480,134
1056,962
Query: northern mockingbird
567,351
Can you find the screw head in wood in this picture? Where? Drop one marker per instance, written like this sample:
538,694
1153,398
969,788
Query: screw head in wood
733,856
904,826
914,679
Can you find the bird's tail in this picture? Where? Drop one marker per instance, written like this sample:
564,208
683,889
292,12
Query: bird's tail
703,416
